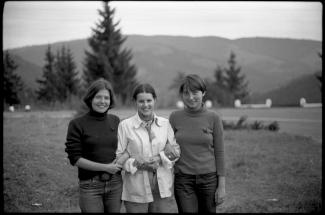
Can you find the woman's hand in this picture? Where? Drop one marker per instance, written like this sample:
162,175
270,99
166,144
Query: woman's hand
170,152
113,168
221,191
149,164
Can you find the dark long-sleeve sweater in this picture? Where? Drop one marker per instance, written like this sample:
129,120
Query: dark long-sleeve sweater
92,136
200,137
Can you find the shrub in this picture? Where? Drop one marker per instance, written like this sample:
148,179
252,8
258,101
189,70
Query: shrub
274,126
243,124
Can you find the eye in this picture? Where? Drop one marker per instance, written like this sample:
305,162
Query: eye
196,92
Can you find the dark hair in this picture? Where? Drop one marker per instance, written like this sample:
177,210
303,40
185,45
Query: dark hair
143,88
95,87
192,82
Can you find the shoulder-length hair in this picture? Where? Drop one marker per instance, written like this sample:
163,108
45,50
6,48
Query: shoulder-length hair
96,86
192,82
143,88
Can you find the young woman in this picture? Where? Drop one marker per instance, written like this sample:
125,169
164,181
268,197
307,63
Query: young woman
91,144
200,170
148,179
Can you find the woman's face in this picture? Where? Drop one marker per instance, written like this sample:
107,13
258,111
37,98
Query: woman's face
101,101
193,99
145,103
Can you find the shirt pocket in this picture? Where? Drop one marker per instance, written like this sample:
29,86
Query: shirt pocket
207,131
207,134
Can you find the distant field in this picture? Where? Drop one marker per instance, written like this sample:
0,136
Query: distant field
298,121
271,172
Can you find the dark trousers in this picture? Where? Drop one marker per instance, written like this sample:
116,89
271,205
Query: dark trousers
195,193
98,196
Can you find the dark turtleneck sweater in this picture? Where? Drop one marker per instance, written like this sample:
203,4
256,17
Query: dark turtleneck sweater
92,136
200,137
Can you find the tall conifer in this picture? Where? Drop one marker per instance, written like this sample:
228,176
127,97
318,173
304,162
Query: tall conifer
234,81
107,59
12,83
48,84
68,81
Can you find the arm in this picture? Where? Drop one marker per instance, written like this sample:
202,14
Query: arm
121,156
219,157
94,166
73,142
171,152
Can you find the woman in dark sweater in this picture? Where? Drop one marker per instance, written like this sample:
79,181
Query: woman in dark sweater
200,170
91,144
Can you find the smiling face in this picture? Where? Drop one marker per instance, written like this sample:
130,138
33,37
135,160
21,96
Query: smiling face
145,103
101,101
192,99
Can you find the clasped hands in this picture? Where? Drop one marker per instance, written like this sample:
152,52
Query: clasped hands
149,164
152,163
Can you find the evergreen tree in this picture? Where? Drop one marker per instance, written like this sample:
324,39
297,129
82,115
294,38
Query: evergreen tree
219,75
48,85
319,75
12,83
235,82
68,81
107,59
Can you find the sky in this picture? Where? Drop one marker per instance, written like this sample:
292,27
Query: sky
28,23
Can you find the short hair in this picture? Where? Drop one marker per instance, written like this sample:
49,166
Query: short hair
95,87
143,88
192,82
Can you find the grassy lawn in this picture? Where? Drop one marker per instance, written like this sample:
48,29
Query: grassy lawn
266,171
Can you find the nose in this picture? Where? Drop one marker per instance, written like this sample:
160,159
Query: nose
145,104
191,95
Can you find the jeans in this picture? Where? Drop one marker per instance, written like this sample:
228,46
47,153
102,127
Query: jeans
98,196
159,205
195,193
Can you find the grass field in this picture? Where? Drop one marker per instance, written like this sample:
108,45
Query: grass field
266,171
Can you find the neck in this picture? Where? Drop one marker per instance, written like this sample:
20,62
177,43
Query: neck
97,114
196,109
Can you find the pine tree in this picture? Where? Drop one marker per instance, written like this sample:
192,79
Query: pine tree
65,67
319,74
12,83
234,81
106,59
48,85
219,75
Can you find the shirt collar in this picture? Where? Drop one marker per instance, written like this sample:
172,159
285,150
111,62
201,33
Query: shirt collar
138,121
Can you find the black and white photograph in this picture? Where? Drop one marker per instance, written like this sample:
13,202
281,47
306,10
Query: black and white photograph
162,106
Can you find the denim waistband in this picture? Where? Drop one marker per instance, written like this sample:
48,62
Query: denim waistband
103,176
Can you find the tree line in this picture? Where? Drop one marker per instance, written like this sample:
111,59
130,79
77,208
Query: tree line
107,59
61,81
227,85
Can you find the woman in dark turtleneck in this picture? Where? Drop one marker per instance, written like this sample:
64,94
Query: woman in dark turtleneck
200,170
91,144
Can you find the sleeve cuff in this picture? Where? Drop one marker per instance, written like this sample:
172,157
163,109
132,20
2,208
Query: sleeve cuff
128,166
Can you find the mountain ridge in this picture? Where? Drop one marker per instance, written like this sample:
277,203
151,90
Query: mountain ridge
268,63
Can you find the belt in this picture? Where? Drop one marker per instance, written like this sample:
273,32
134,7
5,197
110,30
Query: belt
105,176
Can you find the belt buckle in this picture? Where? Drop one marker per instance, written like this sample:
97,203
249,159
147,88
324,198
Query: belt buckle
105,177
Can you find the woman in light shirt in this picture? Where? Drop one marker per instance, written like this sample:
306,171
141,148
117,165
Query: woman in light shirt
149,142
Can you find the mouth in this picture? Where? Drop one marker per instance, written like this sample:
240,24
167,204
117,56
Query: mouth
102,106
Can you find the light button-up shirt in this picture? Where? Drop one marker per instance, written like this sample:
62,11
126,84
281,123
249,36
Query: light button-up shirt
134,138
